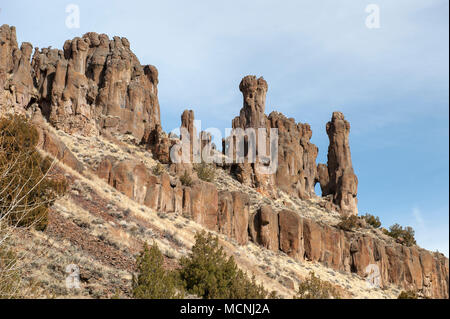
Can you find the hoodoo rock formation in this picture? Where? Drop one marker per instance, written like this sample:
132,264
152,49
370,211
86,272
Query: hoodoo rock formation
337,177
296,172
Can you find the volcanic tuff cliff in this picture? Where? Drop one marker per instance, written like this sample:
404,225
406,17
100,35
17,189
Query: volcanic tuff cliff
93,100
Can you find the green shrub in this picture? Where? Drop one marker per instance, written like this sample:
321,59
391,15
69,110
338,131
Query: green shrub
372,220
406,235
158,169
205,172
410,294
28,186
152,280
315,288
348,222
208,273
186,179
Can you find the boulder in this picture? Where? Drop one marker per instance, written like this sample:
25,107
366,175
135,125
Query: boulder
50,143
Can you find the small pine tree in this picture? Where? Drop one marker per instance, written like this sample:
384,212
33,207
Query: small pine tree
152,280
372,220
208,273
406,234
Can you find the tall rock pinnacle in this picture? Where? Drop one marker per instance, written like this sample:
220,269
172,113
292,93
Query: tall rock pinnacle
16,82
254,93
337,177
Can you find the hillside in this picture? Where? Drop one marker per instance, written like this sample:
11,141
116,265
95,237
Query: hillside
98,114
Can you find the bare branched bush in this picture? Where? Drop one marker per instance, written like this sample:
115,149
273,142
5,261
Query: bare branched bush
205,171
158,169
28,187
186,179
348,223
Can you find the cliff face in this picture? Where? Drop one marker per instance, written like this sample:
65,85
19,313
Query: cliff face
96,87
305,239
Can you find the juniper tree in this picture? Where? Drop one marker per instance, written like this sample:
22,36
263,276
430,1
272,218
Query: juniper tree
152,280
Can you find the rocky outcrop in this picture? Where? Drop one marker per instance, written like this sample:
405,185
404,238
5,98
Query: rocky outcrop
95,84
296,173
50,143
252,113
226,212
411,268
264,228
296,166
291,234
188,134
337,177
16,82
204,204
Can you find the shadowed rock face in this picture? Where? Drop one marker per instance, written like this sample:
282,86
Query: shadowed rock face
264,229
337,177
94,84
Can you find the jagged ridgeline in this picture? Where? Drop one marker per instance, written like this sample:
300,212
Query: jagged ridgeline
95,90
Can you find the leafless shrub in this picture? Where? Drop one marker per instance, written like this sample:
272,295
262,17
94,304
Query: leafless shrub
28,186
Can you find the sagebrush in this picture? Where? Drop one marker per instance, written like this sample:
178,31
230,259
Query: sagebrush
205,172
348,223
315,288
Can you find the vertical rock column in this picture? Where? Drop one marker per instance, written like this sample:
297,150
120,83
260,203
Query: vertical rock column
337,178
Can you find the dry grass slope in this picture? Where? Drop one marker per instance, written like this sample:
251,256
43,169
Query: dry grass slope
101,231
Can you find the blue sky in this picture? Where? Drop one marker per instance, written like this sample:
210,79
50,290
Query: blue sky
317,57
